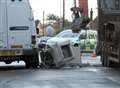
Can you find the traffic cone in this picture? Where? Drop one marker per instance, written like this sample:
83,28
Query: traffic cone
94,54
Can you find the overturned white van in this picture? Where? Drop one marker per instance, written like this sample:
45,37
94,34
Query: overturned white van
17,33
61,52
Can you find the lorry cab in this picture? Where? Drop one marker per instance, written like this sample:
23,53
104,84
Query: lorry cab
17,31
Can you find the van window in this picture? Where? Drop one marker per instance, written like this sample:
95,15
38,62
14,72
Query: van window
19,28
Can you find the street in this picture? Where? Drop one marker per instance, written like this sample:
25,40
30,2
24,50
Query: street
51,40
92,75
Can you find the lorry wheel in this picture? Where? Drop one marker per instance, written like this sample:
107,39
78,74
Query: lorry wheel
35,65
35,62
112,64
27,64
106,61
32,61
104,58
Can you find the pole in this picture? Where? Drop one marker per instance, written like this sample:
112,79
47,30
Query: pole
63,14
43,23
75,3
91,14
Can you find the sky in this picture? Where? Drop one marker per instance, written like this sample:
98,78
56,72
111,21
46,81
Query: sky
93,4
55,7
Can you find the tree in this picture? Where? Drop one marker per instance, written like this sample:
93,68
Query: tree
37,22
52,18
39,27
56,22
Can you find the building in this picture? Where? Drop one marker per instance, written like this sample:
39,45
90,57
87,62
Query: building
39,27
84,5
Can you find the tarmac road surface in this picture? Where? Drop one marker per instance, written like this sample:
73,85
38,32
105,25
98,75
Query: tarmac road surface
90,76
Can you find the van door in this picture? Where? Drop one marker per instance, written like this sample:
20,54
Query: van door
3,25
19,24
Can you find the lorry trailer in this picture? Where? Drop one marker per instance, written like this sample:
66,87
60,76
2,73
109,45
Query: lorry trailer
108,45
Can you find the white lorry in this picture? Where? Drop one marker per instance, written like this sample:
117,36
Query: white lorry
17,33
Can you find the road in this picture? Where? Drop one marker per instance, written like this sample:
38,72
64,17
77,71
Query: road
89,76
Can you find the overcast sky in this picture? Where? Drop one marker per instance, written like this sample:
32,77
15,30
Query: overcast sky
55,7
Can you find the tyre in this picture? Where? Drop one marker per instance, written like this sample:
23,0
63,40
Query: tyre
104,60
27,64
104,57
47,59
32,61
35,62
112,63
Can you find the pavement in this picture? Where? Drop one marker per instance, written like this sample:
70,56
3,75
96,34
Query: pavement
89,76
87,59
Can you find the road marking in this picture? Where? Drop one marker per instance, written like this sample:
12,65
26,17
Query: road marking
93,70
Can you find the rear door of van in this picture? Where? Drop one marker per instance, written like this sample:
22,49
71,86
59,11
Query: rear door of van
19,24
3,26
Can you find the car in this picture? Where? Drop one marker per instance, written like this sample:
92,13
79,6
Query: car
73,37
88,40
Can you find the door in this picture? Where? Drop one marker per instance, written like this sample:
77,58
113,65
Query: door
19,24
3,25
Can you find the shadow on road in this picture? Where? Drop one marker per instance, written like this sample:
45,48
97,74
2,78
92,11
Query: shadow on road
12,66
87,61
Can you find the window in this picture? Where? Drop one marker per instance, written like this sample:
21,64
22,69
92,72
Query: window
66,51
12,0
16,0
83,36
19,28
110,4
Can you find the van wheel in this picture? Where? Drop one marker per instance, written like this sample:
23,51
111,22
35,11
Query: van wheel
47,59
